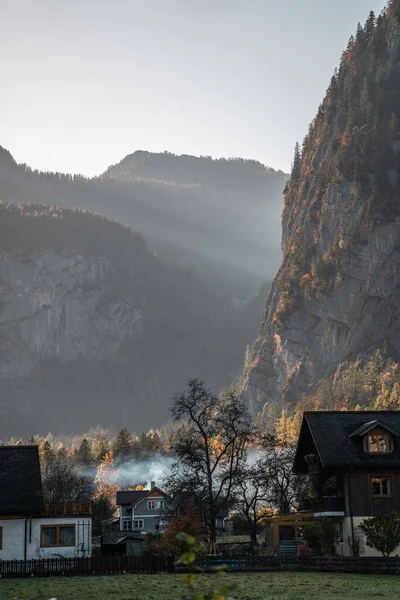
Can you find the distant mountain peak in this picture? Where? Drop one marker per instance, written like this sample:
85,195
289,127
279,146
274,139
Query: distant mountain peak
6,156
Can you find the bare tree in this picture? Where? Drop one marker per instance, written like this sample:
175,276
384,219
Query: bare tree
252,494
211,448
63,483
286,489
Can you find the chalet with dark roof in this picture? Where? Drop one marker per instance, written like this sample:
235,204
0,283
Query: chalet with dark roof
353,461
29,528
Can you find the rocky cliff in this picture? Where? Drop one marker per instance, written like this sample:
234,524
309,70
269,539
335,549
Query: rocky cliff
94,329
336,297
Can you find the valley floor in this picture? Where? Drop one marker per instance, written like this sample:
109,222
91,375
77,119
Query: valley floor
251,586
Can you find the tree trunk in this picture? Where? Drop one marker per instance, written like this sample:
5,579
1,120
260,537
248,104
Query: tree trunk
213,531
253,536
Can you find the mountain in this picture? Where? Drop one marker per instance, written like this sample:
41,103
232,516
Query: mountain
335,301
209,214
95,329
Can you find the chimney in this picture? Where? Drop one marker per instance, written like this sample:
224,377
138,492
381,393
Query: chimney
152,485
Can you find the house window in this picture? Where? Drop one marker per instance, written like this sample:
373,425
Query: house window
57,535
381,487
127,524
138,524
378,444
155,504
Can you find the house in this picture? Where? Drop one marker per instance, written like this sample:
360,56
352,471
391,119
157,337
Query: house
29,528
355,459
143,510
140,511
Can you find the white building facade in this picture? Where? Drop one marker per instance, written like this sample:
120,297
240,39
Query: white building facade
45,537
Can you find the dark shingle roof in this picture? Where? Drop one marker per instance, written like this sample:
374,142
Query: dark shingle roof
336,436
20,480
131,497
136,496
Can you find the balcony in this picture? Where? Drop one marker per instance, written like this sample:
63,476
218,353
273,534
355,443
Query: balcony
330,506
68,509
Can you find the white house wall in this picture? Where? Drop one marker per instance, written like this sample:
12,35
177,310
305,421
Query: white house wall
345,546
14,538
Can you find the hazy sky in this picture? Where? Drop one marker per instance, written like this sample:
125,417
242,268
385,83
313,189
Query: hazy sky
86,82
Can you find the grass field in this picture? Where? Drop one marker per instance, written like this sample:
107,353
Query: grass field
252,586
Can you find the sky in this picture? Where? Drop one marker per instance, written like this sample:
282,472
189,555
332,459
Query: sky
86,82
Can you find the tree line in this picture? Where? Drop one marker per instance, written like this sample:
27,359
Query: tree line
215,459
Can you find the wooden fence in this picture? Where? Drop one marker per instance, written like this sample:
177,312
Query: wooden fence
95,565
114,565
343,564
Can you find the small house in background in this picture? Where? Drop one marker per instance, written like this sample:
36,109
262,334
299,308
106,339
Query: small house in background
30,529
143,510
353,458
140,511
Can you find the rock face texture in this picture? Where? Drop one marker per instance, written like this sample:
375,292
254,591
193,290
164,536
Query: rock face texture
59,305
336,296
94,329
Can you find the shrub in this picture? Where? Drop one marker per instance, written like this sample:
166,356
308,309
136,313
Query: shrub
312,537
304,551
322,537
383,532
169,543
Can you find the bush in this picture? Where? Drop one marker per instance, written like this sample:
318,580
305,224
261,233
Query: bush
304,551
383,532
312,537
322,537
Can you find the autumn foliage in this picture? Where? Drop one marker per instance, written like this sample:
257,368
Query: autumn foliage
190,523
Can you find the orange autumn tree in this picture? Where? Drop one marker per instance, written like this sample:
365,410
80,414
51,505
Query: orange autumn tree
106,480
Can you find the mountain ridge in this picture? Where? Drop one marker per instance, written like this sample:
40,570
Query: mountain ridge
336,295
234,223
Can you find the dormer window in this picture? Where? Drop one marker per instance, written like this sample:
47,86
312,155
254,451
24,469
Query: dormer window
378,437
378,443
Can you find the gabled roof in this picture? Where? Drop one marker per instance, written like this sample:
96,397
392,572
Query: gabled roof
133,498
150,494
130,497
20,480
371,425
336,438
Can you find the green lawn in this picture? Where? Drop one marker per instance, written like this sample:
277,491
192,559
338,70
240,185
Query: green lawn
252,586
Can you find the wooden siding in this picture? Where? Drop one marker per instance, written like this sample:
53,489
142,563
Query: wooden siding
64,509
362,503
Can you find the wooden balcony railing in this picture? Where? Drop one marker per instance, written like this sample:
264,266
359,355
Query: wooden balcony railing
70,509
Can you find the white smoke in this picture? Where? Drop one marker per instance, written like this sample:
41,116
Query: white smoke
143,471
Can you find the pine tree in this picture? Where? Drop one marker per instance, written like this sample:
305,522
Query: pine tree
46,454
296,167
101,448
369,26
83,455
122,445
62,453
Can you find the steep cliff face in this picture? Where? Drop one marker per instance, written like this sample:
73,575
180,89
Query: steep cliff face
337,294
59,305
94,329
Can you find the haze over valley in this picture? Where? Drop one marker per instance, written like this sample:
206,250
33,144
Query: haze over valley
93,310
